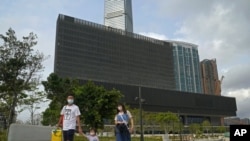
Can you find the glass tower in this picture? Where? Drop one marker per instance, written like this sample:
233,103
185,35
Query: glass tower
118,14
187,67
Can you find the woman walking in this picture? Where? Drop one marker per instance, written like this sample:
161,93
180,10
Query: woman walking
122,126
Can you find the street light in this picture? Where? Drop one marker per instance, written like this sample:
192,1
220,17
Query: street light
180,128
140,108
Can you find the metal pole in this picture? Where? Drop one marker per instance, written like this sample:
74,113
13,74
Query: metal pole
180,118
180,128
140,103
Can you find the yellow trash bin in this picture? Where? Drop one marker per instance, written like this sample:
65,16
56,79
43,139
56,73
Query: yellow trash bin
56,135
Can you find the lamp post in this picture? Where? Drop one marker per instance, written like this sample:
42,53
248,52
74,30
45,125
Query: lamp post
180,128
140,108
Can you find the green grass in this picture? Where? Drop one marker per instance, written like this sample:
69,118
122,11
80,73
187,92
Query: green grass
3,136
81,138
156,138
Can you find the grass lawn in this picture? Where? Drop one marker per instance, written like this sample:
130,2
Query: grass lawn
156,138
3,136
81,138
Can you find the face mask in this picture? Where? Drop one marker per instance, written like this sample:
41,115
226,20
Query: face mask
119,108
70,101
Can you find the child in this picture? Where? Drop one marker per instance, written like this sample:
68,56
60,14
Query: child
92,135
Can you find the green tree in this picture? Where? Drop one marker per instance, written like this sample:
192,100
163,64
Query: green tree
166,120
57,89
194,128
32,104
221,129
151,121
136,117
19,66
206,125
96,104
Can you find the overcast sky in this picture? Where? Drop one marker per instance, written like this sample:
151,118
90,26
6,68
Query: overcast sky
221,29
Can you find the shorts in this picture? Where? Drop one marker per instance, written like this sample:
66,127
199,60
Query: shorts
68,135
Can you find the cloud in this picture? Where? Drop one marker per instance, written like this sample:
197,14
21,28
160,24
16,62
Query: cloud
221,30
242,99
154,35
220,33
237,77
179,9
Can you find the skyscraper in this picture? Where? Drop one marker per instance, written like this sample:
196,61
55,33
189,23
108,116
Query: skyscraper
210,81
118,14
187,67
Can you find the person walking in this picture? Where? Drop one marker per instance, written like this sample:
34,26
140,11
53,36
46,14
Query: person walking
70,115
122,127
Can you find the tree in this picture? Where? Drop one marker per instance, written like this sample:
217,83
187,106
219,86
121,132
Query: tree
56,89
150,120
221,129
19,66
96,104
50,116
166,120
136,117
206,125
32,104
194,128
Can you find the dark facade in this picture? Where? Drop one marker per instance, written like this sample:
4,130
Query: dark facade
126,61
193,107
90,51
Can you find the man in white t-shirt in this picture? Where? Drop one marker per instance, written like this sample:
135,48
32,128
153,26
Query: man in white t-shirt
70,115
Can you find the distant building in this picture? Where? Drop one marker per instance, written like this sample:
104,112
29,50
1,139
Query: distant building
236,120
245,121
209,73
118,14
186,67
130,63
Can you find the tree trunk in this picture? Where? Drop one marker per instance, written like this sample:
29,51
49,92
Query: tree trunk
32,117
166,132
12,110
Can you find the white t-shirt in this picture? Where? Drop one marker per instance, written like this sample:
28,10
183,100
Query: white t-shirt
69,116
92,138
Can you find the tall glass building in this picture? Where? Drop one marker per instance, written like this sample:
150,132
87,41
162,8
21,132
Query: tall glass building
187,67
118,14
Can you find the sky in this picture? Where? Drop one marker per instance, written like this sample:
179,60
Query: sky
219,27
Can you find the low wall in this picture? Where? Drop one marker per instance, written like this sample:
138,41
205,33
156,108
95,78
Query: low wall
19,132
210,140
